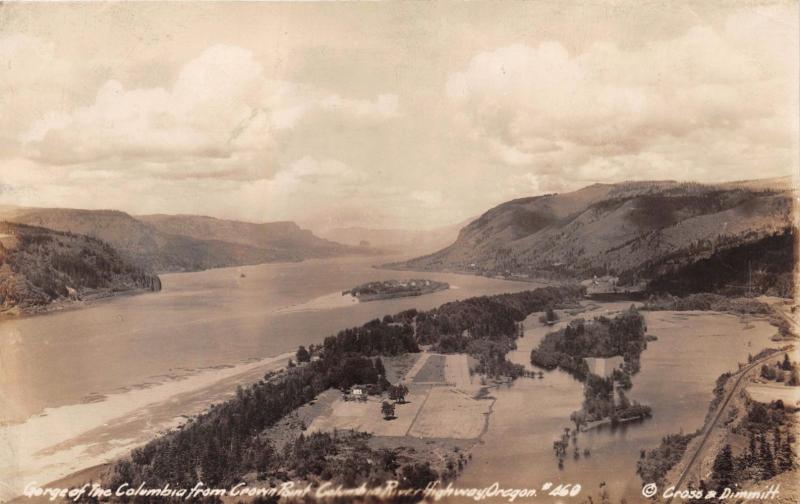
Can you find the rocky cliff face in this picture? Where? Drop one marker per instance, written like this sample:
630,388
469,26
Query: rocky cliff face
634,230
39,266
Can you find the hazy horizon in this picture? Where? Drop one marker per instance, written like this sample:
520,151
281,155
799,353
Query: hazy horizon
385,116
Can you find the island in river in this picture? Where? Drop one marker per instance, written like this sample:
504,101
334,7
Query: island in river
389,289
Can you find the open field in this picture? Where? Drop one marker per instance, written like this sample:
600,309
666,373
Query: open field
398,366
367,417
450,413
456,372
440,404
766,393
423,358
432,371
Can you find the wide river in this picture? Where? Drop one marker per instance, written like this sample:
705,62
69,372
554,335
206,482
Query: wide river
78,387
81,387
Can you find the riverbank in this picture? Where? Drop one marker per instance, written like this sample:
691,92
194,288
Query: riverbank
66,304
434,437
65,440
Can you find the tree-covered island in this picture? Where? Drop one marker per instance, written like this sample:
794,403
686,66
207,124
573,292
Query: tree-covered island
602,338
388,289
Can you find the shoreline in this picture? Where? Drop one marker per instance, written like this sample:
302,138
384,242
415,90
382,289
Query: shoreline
543,281
63,305
366,298
125,420
95,473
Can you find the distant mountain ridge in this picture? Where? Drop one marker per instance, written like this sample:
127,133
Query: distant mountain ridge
635,230
285,236
166,243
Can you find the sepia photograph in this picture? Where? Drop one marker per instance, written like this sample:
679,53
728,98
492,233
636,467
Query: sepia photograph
402,252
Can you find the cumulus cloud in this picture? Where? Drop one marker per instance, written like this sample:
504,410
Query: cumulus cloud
222,112
351,128
669,107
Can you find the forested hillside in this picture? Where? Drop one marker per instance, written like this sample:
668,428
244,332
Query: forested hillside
638,231
39,266
764,266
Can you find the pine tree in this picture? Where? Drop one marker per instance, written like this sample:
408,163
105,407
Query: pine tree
752,454
302,354
723,468
776,441
785,456
765,458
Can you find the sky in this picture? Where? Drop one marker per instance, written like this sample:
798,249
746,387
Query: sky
386,115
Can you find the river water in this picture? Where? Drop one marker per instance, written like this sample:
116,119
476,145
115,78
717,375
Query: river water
678,373
81,386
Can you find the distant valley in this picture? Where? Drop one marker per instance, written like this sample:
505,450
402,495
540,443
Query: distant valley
52,255
668,236
417,241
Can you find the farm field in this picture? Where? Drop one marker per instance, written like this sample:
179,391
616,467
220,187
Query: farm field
441,404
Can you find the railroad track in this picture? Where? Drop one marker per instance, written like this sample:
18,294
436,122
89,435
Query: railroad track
708,429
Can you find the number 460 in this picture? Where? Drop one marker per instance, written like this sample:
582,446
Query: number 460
563,490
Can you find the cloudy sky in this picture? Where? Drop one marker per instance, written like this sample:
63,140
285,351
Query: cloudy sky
385,115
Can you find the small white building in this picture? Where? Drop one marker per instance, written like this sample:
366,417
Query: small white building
604,366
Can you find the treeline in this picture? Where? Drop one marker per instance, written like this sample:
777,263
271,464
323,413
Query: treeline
567,348
346,457
706,301
764,266
490,317
486,327
224,443
377,337
599,403
221,445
